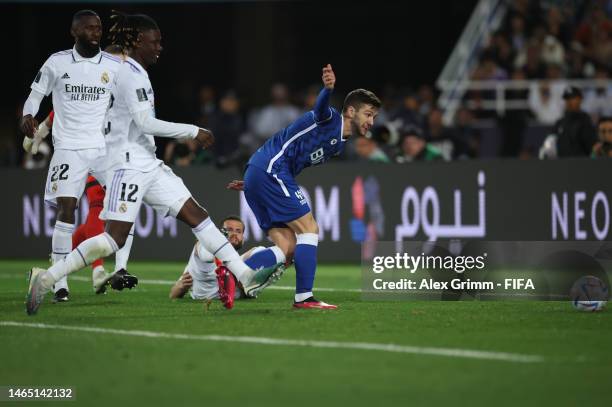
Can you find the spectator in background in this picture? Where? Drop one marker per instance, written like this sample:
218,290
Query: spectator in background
442,138
367,149
575,132
553,52
502,52
557,26
414,147
427,100
517,34
185,153
386,137
408,112
275,116
389,104
598,100
576,66
489,69
514,122
310,98
601,51
588,32
603,147
468,138
207,105
545,101
530,60
228,126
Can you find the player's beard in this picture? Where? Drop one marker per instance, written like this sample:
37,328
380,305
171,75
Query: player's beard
237,246
356,128
90,48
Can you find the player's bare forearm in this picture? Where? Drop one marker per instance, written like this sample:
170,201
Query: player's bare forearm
180,288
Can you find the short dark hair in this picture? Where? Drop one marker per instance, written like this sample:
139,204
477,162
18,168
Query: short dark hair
604,119
83,13
359,97
126,27
233,217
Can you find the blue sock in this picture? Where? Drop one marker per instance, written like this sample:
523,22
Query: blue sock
266,258
305,259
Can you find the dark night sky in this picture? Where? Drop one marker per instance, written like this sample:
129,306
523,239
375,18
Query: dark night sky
250,45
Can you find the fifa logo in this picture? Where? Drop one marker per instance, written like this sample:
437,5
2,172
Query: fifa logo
317,156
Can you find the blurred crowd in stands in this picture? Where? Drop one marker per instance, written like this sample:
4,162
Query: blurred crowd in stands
548,41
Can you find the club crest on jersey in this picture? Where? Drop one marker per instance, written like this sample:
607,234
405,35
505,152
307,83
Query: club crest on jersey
54,187
123,208
105,78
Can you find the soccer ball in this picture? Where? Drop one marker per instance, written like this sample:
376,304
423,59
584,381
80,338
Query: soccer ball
589,294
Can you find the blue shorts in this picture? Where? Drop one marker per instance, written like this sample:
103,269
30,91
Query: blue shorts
274,199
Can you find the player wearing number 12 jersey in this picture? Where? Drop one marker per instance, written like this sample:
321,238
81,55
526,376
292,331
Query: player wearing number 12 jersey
137,176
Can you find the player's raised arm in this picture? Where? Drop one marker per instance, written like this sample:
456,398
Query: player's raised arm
321,109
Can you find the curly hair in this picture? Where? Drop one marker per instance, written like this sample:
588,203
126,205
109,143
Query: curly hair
126,27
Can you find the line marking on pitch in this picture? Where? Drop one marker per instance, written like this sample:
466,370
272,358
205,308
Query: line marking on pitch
171,282
343,290
381,347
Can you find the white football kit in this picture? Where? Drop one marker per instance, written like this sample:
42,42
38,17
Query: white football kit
81,89
136,175
201,267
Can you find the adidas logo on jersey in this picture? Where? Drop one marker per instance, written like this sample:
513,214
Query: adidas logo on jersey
66,76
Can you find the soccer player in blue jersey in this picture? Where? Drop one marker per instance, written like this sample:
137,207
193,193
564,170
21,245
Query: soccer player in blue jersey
276,199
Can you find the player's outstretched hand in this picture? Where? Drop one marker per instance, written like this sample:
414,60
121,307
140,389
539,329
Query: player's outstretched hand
236,185
186,280
28,125
329,78
205,138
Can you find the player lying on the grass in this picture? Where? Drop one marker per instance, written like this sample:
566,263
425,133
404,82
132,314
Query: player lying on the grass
276,199
204,274
137,175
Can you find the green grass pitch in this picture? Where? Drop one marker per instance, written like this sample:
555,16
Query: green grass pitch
573,364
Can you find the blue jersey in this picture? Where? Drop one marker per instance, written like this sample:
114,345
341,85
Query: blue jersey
312,139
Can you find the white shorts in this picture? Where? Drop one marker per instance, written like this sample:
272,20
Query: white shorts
127,189
68,172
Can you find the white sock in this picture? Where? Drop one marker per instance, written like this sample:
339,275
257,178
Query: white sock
123,254
302,296
278,253
61,245
97,269
213,240
86,253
